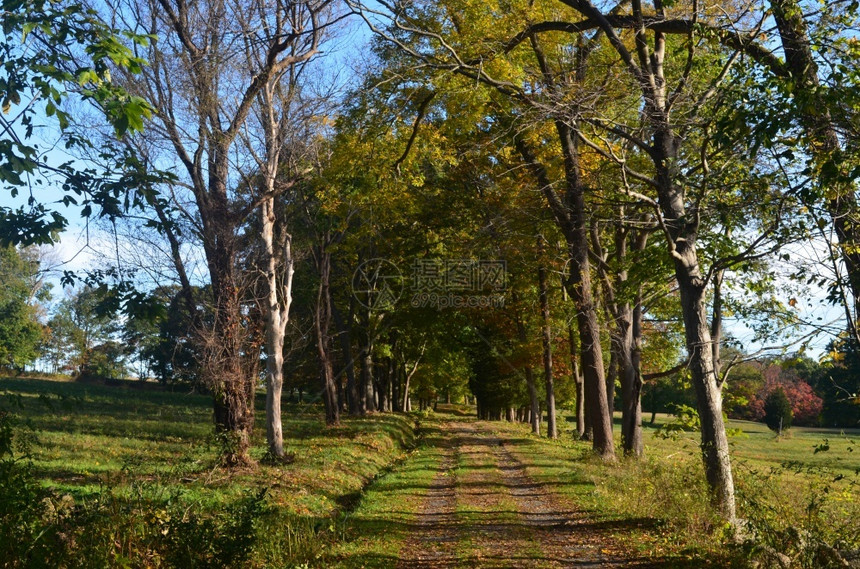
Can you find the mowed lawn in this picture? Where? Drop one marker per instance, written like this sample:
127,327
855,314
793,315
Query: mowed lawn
755,445
88,437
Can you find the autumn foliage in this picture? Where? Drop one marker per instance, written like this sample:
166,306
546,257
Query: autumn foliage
806,406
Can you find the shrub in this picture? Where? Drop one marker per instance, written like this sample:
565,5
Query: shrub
777,411
798,516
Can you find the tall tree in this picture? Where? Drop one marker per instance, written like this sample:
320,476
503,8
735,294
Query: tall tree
546,333
20,330
204,94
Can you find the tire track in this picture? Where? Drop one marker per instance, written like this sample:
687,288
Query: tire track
433,545
568,538
490,513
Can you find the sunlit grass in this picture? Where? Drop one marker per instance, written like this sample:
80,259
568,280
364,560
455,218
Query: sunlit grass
88,439
782,483
378,528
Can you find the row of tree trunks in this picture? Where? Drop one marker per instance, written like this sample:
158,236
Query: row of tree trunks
580,289
681,227
382,385
510,414
534,402
626,331
345,338
569,214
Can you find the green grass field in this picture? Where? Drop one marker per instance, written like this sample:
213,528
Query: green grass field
90,436
138,457
783,485
151,457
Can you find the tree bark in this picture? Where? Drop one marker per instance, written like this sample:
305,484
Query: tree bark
534,416
367,395
580,386
570,216
631,382
612,373
345,336
551,429
322,321
278,301
222,367
683,231
626,332
409,375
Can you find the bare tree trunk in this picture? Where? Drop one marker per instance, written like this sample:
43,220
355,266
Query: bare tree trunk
368,400
345,335
397,388
222,367
551,430
626,333
534,416
580,386
232,389
683,230
570,216
612,373
631,381
384,381
632,426
322,322
409,374
581,293
278,300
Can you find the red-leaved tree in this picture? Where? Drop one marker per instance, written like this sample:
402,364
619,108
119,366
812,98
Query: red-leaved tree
806,406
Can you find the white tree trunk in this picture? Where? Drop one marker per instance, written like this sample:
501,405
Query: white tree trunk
278,300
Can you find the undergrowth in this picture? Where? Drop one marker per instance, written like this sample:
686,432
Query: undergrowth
790,516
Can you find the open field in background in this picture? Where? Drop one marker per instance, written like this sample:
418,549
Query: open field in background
759,445
333,504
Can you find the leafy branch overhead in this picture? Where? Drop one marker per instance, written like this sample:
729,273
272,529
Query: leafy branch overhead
55,54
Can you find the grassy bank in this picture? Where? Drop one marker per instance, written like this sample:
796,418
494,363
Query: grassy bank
136,465
793,490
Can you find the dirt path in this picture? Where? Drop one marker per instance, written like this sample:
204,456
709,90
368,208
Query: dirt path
483,510
435,527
